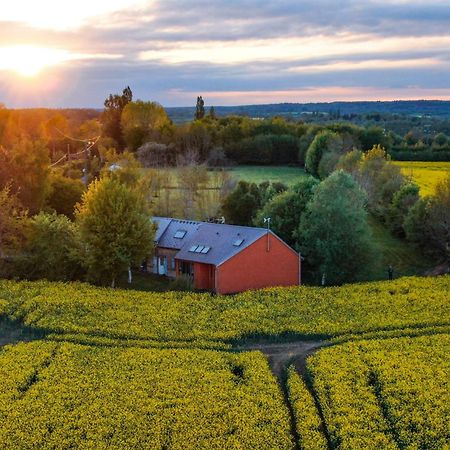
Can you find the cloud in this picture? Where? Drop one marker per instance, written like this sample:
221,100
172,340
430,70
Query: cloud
245,50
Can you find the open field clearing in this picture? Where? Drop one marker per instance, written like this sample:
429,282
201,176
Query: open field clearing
425,174
258,174
124,370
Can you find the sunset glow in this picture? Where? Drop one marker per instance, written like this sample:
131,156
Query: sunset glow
28,61
278,51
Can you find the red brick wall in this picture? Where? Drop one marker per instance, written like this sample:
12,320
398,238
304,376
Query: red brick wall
255,267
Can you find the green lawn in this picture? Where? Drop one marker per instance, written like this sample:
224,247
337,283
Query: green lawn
257,174
403,256
425,174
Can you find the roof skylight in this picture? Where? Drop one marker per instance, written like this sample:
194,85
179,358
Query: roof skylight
180,234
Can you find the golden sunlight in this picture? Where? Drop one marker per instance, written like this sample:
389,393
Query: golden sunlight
29,60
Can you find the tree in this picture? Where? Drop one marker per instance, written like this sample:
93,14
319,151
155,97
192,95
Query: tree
64,195
428,222
334,235
51,249
373,136
403,200
25,167
111,117
380,179
212,113
141,121
440,142
12,223
115,229
286,209
200,108
324,142
241,206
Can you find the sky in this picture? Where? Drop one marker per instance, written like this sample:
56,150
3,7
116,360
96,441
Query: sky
57,53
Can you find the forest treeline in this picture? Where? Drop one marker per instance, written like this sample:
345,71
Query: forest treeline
69,179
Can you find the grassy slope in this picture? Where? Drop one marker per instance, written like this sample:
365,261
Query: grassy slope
404,257
425,174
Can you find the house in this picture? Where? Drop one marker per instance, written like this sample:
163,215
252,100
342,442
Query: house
223,258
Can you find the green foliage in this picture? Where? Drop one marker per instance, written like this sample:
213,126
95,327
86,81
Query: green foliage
403,200
142,121
380,179
51,250
374,136
324,142
200,108
112,114
241,206
25,167
428,222
115,229
13,221
65,193
286,209
333,234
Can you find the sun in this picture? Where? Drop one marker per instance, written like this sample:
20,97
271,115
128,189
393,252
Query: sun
28,60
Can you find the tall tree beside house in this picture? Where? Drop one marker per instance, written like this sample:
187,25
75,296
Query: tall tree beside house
241,205
286,209
334,234
200,108
115,229
112,114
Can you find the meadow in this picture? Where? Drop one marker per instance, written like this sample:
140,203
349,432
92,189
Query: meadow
257,174
124,369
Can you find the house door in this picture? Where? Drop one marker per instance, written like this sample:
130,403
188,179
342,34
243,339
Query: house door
162,267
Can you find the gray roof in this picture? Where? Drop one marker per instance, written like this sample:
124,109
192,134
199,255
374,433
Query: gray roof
220,238
162,223
166,238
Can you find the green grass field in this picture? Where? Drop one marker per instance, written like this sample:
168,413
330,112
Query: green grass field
257,174
425,174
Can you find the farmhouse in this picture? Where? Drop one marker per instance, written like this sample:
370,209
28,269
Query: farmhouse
223,258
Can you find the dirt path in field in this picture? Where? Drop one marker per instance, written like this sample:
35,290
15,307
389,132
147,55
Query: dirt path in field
280,357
